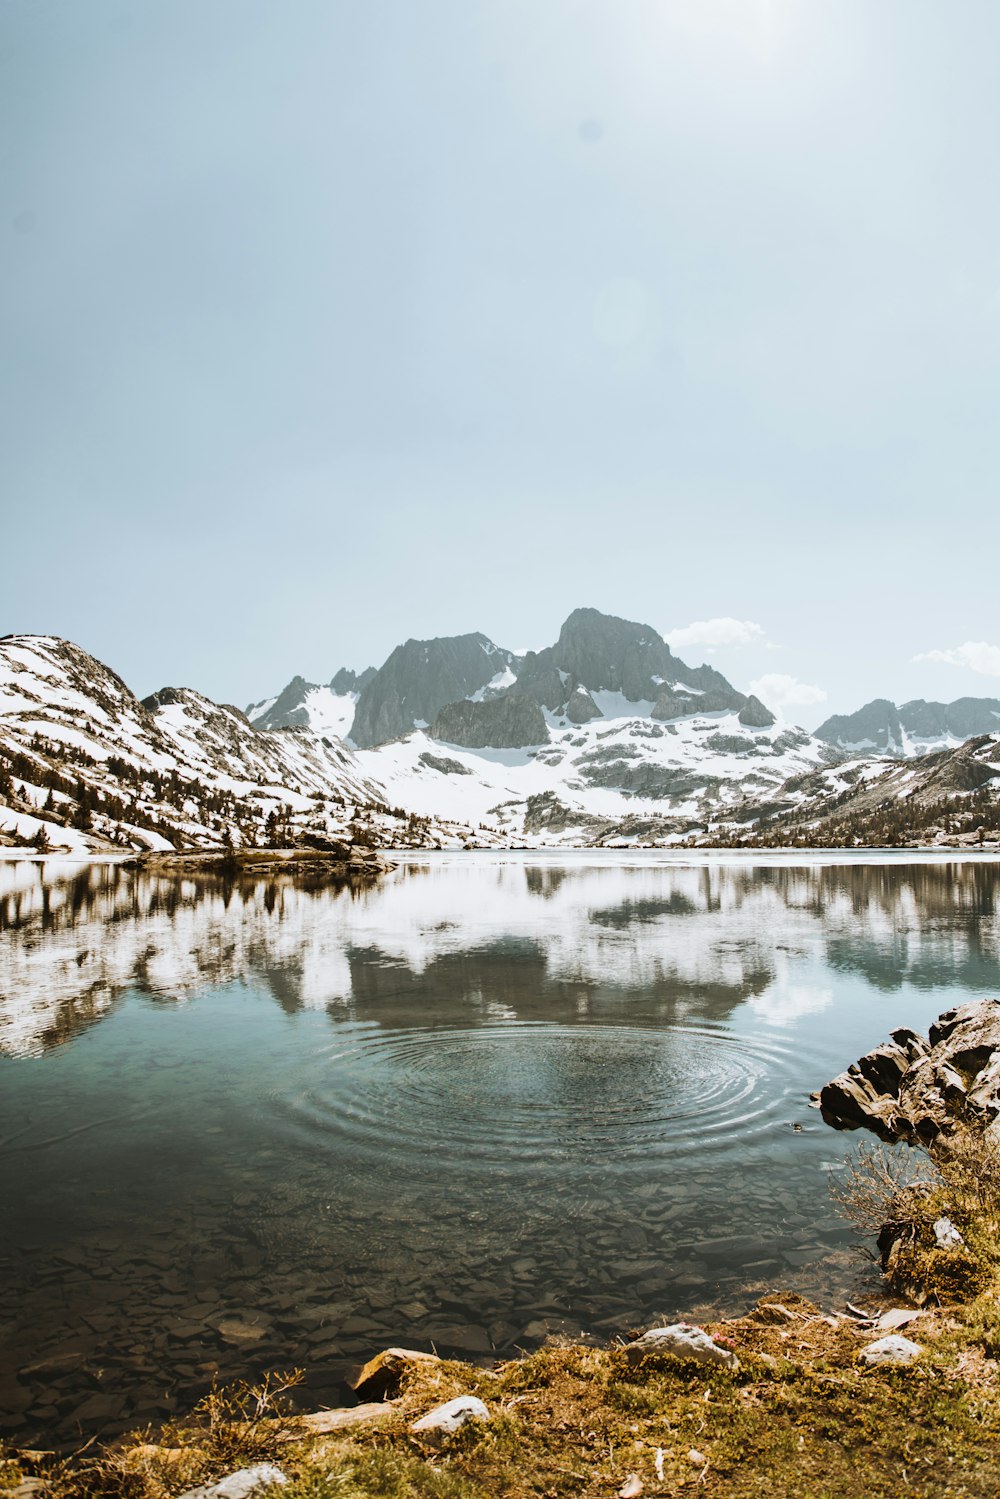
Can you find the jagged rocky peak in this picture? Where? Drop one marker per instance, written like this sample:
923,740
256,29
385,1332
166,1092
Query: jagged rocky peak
599,652
346,681
302,704
420,678
914,727
507,722
875,726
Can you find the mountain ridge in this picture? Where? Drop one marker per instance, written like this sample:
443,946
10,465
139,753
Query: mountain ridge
549,748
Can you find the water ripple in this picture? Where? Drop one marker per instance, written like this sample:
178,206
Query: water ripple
527,1094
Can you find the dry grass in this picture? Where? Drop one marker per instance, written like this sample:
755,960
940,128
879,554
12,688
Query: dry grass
802,1418
899,1195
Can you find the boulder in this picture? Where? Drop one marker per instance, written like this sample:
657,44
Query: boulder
383,1374
891,1350
922,1091
683,1341
444,1420
243,1484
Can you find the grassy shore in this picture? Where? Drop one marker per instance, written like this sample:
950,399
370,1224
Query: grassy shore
803,1416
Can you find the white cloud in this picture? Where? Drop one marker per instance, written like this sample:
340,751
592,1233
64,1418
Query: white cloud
716,632
784,1005
777,690
975,654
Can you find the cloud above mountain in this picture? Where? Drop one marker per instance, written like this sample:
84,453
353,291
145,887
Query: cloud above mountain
713,633
779,690
977,655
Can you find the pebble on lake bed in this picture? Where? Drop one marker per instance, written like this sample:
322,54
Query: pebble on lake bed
444,1420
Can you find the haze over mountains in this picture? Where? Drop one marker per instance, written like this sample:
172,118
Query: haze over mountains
912,729
604,734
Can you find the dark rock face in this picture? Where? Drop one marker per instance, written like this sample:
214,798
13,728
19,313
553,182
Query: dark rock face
919,1091
881,725
418,680
288,711
598,652
507,722
874,726
754,715
346,681
581,707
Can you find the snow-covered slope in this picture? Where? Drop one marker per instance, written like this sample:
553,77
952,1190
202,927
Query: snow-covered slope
949,798
621,774
80,754
327,709
606,733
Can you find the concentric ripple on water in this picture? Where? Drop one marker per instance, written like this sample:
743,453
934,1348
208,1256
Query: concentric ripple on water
528,1094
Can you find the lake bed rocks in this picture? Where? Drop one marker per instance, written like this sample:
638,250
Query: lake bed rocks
924,1091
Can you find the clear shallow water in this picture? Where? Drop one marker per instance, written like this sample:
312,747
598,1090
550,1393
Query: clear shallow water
268,1125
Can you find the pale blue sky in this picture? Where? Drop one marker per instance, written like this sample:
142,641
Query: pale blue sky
325,324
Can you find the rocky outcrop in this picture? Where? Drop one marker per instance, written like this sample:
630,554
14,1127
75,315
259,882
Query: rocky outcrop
346,681
508,722
444,764
544,812
419,679
753,714
920,1091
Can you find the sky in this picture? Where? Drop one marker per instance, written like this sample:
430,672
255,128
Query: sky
335,322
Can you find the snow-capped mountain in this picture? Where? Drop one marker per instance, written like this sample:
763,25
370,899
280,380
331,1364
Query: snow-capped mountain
85,765
604,736
605,733
329,709
914,728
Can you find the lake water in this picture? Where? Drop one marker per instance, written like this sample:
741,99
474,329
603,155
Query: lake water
263,1125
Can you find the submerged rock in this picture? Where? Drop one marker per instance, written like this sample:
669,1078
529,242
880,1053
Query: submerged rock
444,1420
917,1091
681,1340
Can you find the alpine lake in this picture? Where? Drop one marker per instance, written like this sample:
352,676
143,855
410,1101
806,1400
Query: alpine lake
262,1124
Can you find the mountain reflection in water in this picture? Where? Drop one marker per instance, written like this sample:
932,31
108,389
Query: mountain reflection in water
258,1124
692,941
